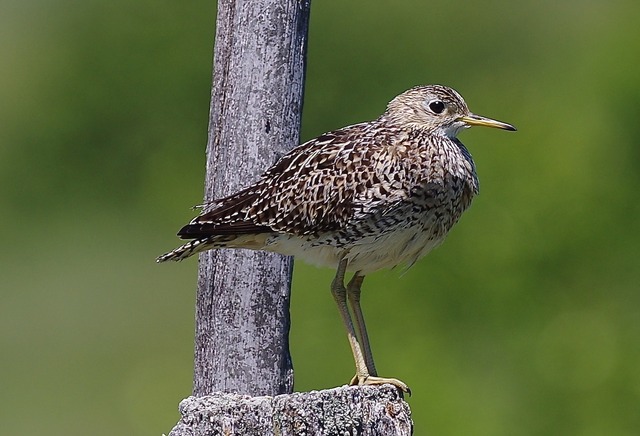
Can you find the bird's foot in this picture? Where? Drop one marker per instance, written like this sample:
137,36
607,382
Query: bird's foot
369,380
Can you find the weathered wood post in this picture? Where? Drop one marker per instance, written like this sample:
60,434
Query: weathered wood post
242,313
242,359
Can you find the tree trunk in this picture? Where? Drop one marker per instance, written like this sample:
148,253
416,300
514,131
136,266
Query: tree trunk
242,308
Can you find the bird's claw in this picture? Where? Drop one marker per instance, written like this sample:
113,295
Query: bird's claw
369,380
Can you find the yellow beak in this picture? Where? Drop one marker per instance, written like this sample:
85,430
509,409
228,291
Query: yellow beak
477,120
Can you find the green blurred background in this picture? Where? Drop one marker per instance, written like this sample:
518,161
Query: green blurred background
526,321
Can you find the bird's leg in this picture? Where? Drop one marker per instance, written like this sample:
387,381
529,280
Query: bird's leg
362,377
339,293
353,294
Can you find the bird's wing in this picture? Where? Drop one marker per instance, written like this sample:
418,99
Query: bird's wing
312,189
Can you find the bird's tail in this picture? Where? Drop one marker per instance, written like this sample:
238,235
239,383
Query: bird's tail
189,249
250,241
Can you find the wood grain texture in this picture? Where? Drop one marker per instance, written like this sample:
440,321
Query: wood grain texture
353,410
242,309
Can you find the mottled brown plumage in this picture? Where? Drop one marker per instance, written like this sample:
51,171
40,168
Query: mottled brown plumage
368,196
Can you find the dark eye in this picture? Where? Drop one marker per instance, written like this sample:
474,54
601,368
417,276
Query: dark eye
436,106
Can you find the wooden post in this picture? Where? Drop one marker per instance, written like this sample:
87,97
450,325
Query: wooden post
242,308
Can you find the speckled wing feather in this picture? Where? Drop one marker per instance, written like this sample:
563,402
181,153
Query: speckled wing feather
312,189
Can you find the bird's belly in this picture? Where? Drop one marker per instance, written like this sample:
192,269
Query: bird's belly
301,248
400,247
366,254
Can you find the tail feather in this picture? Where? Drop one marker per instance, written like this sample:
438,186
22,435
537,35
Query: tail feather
187,250
252,242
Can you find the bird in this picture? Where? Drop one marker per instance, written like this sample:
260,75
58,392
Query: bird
366,197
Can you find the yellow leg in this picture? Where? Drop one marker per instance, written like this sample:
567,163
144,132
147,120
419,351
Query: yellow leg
364,376
353,294
340,296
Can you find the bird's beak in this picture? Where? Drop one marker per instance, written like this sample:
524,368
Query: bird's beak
477,120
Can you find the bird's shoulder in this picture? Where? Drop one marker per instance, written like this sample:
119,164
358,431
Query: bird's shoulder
331,150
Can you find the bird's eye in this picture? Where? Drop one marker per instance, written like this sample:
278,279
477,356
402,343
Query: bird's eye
436,106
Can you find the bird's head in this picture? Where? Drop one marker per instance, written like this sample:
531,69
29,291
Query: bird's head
437,109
